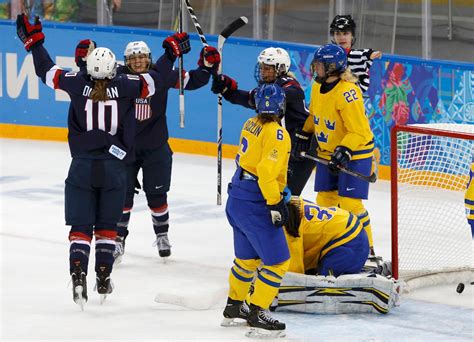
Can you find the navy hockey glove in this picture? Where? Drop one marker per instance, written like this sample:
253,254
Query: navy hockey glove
340,158
83,49
177,44
30,35
301,143
209,58
223,83
279,213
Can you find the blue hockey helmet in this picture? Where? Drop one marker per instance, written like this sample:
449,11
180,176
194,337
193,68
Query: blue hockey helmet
334,59
270,99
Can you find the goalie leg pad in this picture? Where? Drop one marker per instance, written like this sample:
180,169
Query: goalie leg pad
351,293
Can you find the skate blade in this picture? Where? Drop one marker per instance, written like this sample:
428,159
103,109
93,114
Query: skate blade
265,334
102,298
79,300
118,260
233,322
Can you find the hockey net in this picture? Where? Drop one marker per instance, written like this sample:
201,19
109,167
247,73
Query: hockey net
431,239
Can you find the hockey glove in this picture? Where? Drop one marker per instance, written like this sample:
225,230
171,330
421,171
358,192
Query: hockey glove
301,143
279,213
30,35
83,49
340,158
223,83
177,44
209,58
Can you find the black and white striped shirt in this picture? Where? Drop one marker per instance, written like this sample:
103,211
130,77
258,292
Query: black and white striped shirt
359,63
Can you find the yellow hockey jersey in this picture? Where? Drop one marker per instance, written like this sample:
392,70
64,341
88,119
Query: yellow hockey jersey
469,197
321,230
338,118
264,152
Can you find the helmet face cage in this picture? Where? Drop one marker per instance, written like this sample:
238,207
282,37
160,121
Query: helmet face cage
270,99
343,23
101,64
137,48
334,59
277,57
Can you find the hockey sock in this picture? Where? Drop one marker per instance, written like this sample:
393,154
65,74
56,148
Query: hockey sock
122,226
160,218
104,246
327,198
267,284
80,246
241,277
355,206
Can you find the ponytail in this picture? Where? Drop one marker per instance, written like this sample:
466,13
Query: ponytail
99,93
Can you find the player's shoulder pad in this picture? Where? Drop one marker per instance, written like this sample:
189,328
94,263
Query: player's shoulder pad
287,81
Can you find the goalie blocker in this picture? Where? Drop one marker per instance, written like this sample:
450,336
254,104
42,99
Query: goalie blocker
351,293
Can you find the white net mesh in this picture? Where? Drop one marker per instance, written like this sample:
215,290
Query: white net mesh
433,172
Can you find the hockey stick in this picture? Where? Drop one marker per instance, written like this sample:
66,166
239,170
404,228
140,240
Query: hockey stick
180,68
226,33
371,179
195,21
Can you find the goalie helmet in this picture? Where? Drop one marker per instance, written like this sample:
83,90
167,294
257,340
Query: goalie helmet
270,99
334,59
101,64
277,57
137,48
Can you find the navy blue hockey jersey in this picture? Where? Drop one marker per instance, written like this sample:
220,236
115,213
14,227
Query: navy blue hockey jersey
150,113
104,129
296,111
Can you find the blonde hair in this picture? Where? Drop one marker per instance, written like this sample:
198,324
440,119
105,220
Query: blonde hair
348,76
99,93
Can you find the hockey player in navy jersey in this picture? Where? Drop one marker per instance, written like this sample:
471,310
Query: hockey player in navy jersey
273,67
101,136
153,154
359,61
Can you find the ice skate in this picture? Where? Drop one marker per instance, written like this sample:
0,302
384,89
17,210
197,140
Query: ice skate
119,249
262,325
235,313
163,244
104,285
79,287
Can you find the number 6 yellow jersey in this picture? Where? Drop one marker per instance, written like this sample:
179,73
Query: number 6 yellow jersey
264,152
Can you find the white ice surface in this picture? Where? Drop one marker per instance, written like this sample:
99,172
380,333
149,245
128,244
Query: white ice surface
36,302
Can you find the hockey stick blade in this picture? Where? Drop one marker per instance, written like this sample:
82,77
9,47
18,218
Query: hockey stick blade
234,26
371,179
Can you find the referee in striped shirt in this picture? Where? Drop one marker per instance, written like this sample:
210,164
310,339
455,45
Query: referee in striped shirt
342,31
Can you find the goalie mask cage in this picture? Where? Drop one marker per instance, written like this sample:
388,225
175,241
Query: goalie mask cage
431,238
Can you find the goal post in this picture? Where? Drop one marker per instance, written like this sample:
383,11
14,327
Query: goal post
431,237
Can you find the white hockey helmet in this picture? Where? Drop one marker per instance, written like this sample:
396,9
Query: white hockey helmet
277,57
101,64
137,48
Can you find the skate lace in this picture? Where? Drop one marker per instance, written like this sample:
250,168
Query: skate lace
162,242
264,315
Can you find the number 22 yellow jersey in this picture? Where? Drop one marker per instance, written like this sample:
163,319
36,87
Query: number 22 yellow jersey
338,118
264,152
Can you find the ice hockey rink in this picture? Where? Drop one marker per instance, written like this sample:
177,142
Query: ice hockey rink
36,297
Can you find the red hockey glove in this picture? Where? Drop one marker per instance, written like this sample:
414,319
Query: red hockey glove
177,44
30,35
223,83
209,58
83,49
